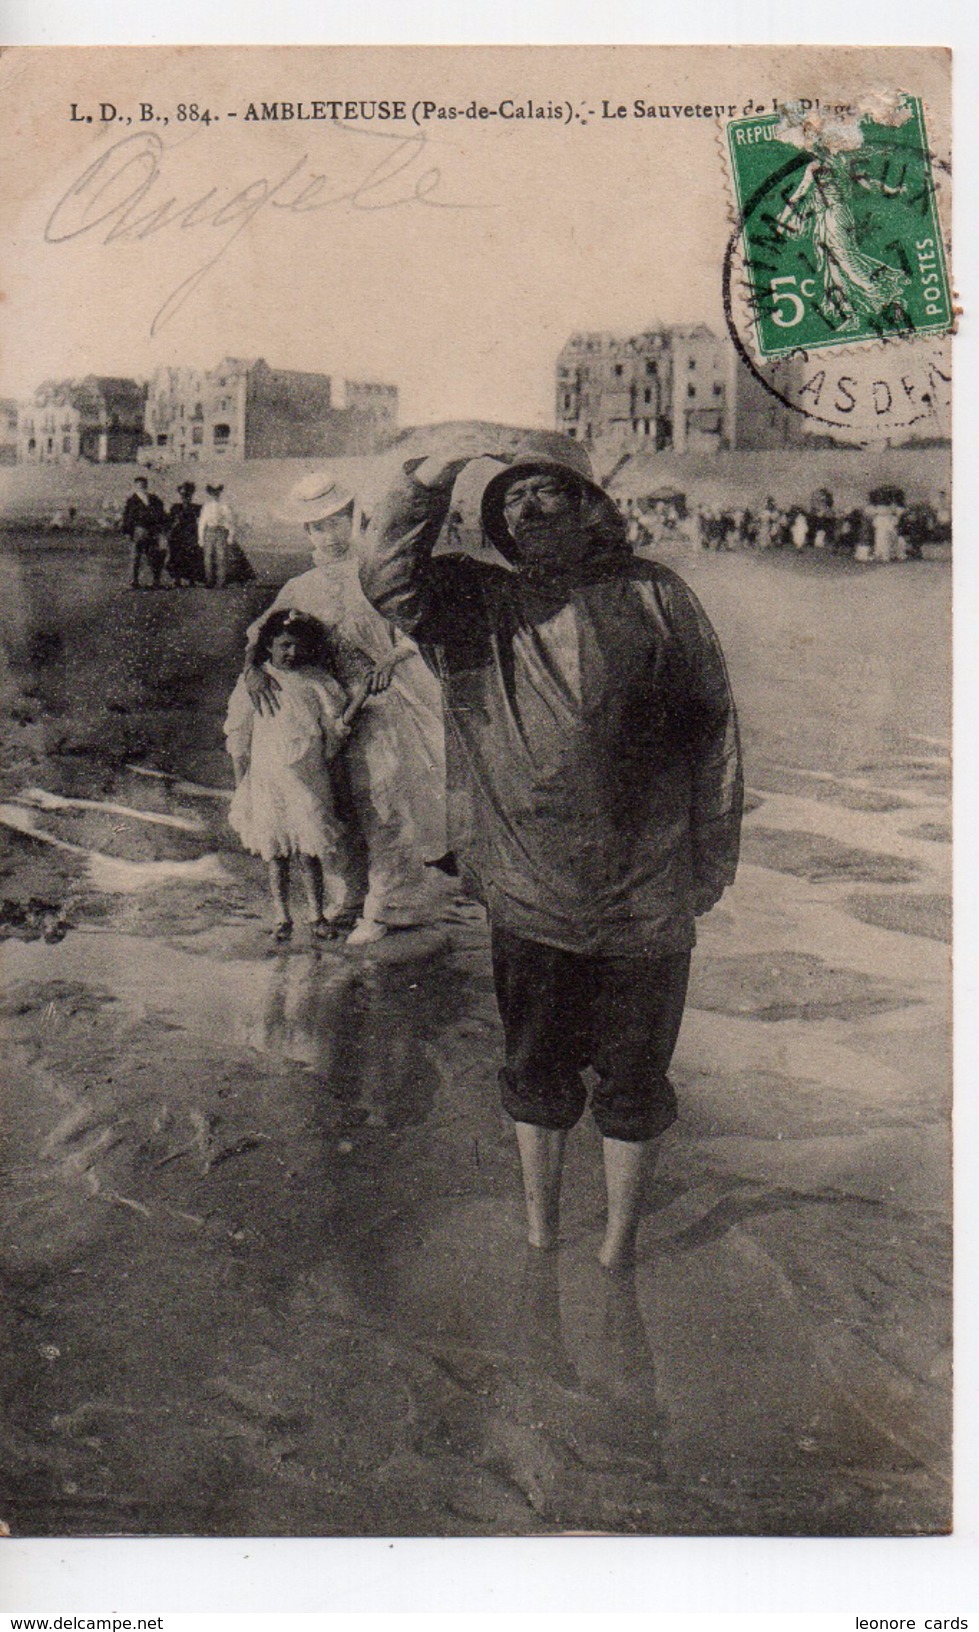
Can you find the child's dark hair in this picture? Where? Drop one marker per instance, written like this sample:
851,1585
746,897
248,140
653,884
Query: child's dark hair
312,643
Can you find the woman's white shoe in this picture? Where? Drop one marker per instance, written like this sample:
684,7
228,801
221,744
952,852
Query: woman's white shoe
365,932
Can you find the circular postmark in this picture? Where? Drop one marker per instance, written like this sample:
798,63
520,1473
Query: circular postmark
831,286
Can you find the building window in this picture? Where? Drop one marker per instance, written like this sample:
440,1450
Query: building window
618,371
198,411
50,444
691,390
32,446
646,426
66,444
197,435
161,440
718,390
222,435
650,365
692,362
647,395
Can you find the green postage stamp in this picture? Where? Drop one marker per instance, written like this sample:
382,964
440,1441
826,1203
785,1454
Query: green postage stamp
839,225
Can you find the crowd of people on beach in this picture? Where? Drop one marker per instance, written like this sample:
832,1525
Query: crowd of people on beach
884,528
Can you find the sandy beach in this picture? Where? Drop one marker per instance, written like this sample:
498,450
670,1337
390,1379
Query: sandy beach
261,1212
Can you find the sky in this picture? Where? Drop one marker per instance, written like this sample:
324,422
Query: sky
449,256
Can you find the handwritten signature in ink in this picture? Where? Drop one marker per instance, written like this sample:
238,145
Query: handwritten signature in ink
110,194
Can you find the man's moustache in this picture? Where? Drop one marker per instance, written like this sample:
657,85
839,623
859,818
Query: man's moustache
537,524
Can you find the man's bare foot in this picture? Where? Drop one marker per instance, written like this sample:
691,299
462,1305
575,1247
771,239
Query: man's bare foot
617,1256
545,1240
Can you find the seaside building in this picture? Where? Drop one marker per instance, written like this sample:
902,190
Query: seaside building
243,409
99,418
9,415
676,387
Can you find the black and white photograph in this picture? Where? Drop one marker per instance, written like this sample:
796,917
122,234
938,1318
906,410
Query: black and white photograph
475,827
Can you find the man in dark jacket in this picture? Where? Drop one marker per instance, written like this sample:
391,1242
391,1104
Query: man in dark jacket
144,520
595,791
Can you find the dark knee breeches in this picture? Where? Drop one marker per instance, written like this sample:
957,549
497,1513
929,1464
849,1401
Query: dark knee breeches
563,1011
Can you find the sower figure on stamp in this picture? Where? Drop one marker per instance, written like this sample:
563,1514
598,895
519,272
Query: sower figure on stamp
595,792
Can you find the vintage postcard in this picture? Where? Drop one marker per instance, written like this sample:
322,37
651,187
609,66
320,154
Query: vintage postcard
476,543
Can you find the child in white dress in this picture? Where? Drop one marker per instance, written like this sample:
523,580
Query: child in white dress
283,804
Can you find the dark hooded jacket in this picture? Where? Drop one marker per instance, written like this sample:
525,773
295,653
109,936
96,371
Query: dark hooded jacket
595,785
147,514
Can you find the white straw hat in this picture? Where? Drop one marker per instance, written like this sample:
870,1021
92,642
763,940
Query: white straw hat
317,497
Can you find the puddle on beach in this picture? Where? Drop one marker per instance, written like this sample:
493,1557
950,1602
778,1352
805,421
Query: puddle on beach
338,1017
315,1313
790,985
816,857
270,1274
927,915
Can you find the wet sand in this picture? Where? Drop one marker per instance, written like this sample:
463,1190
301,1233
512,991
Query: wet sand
262,1240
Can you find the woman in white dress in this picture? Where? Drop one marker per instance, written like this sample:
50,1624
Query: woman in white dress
395,762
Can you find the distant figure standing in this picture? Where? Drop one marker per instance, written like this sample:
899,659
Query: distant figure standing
768,525
799,529
186,564
216,536
144,521
883,520
849,533
823,520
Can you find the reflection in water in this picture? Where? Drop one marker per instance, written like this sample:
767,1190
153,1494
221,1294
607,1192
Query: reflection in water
616,1364
581,1311
537,1335
364,1029
628,1368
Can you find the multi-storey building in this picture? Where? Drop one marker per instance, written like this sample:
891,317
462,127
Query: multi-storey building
373,408
761,419
243,409
9,415
679,388
99,418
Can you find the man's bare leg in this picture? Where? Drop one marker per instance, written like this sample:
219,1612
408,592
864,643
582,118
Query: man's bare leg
541,1159
627,1166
